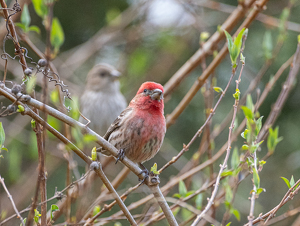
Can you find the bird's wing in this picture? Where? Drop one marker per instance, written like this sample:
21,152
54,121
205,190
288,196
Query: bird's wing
117,123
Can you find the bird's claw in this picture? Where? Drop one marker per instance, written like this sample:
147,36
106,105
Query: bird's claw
121,155
145,172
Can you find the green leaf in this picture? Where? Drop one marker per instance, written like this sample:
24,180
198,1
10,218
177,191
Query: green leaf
22,26
273,139
292,181
198,201
3,214
228,224
177,195
117,224
249,103
55,123
185,214
247,112
242,58
230,45
35,29
262,162
283,19
258,123
25,16
24,222
87,138
36,215
239,40
30,84
249,161
255,146
204,36
175,211
236,213
73,105
40,8
267,45
57,36
52,210
189,193
235,159
234,47
228,193
54,96
237,94
218,89
94,154
244,134
182,188
154,169
96,210
20,108
260,190
2,135
256,179
226,173
286,181
245,147
229,40
32,122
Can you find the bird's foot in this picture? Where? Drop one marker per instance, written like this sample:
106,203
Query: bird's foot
145,172
121,155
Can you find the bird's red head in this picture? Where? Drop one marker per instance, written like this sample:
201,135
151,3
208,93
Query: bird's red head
149,96
150,86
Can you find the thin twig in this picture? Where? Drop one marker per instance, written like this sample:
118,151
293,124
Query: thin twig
253,194
224,165
11,200
117,198
163,204
287,197
115,183
57,195
108,207
193,210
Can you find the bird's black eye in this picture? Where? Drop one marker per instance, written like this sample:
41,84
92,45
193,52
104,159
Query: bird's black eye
145,90
102,74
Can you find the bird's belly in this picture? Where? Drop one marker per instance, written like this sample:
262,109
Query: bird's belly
140,141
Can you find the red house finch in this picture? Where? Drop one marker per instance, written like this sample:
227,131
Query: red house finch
102,101
139,131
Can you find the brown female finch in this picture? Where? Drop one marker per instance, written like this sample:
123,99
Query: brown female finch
139,131
102,101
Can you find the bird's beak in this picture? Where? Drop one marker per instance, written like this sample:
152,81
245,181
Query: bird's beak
157,94
115,74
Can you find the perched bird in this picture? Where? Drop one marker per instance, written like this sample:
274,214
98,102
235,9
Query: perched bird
139,131
102,101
